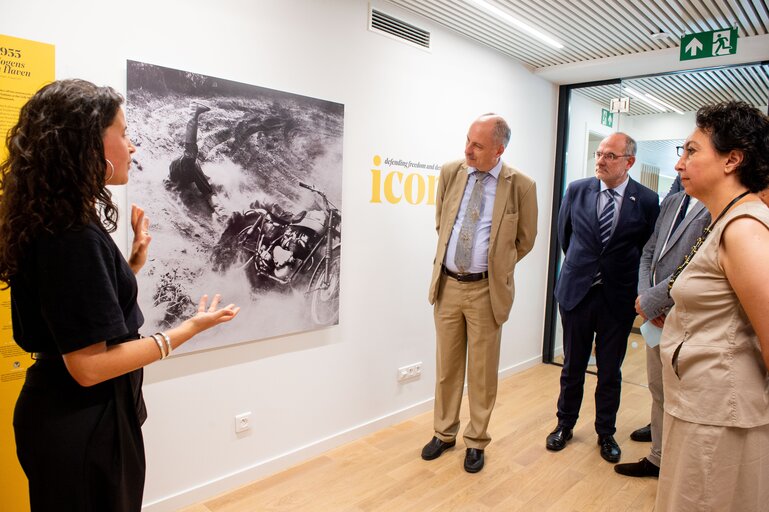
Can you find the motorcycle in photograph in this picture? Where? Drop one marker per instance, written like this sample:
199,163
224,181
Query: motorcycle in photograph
277,249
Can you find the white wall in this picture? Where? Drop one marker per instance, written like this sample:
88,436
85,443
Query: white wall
661,126
584,117
312,391
655,127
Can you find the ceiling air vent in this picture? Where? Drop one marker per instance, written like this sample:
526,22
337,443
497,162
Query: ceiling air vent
399,29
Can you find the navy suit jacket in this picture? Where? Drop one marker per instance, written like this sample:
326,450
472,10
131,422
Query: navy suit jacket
581,242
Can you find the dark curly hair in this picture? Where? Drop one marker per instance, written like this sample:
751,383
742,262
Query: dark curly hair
735,125
54,177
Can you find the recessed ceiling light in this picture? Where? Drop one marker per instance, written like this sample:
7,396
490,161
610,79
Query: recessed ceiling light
517,23
652,101
664,104
643,98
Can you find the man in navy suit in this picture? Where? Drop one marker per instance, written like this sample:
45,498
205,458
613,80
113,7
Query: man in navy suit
603,225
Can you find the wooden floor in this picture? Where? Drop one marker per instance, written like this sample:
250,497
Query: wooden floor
384,472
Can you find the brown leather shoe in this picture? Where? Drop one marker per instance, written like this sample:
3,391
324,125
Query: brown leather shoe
638,469
473,460
435,448
556,440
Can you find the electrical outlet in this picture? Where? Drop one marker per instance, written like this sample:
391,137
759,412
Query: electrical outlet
243,422
410,372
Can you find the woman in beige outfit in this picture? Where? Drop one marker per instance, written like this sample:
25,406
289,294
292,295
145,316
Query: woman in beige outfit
715,345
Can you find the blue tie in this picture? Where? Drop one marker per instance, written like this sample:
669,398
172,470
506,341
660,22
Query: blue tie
606,219
605,223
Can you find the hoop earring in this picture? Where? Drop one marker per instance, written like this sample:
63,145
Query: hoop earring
110,174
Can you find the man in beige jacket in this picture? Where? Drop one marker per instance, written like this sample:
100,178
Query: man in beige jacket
486,218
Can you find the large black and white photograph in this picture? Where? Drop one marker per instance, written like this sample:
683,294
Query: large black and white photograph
242,186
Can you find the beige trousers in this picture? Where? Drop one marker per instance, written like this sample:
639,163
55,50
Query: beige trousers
467,336
654,376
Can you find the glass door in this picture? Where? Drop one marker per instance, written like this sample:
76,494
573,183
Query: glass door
659,113
594,112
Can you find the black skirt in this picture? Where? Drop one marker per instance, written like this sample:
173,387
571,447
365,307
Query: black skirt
80,447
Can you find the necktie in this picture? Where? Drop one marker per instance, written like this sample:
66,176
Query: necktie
606,219
681,213
473,213
605,223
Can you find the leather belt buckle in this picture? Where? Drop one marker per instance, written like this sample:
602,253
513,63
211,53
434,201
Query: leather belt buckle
470,278
465,278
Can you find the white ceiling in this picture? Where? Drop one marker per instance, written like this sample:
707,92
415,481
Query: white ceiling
597,29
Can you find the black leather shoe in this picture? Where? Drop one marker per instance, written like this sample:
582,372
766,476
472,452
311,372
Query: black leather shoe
609,448
641,468
473,460
435,448
556,440
643,434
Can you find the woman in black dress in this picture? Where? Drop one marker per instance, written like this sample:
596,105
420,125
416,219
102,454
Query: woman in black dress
73,298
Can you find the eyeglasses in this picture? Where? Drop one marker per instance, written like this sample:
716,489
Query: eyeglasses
609,157
681,151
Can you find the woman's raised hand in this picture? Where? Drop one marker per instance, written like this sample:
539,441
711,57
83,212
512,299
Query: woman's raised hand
211,315
140,226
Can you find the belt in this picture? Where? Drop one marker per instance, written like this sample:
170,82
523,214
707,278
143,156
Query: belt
465,278
45,356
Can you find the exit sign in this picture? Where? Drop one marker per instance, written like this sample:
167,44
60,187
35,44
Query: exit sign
709,44
607,118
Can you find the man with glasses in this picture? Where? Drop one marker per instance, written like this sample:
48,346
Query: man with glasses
603,225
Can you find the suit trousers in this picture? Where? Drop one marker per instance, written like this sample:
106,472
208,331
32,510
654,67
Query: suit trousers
465,331
593,317
654,376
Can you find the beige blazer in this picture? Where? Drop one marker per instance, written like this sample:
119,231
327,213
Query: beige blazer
513,229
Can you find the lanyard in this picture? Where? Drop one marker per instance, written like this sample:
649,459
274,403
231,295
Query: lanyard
701,239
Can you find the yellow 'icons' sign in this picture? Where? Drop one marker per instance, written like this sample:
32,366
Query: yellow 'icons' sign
395,186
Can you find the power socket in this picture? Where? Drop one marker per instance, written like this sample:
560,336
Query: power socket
242,422
410,372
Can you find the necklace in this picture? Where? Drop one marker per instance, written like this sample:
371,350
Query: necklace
701,240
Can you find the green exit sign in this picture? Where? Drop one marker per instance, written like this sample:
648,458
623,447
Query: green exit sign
709,44
607,118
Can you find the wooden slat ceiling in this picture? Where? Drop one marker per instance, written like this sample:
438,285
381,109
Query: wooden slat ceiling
594,29
691,90
591,29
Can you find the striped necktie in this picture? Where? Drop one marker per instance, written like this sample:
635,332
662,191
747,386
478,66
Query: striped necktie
606,219
605,224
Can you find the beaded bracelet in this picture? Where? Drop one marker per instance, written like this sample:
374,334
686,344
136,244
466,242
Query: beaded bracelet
159,340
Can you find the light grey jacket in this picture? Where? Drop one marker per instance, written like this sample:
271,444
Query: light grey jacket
659,263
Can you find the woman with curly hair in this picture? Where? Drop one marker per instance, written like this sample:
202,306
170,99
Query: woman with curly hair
73,301
715,344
